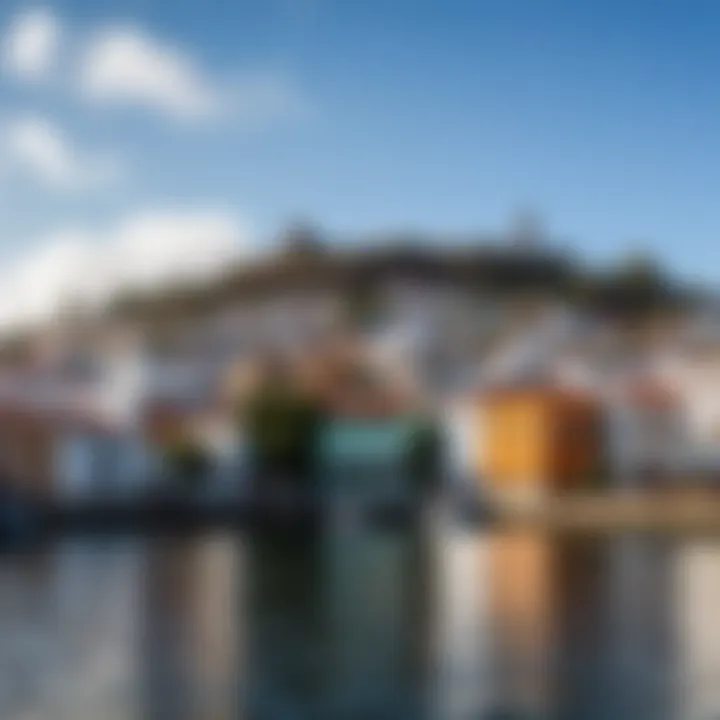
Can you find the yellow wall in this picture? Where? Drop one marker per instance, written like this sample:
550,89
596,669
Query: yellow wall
539,440
515,442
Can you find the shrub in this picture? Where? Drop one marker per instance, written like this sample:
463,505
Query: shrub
425,453
187,461
282,427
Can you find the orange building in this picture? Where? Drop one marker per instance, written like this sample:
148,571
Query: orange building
31,441
541,440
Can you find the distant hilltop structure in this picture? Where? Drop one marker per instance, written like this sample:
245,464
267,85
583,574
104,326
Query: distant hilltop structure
301,240
526,230
304,260
309,276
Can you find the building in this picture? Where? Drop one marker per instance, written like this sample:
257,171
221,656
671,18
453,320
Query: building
694,376
464,433
58,441
646,441
64,456
540,440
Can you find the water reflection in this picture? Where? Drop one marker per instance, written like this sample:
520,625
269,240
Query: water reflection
336,625
188,629
67,621
697,583
377,610
462,683
283,624
360,623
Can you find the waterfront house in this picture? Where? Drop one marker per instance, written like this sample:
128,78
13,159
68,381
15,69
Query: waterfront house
694,376
646,438
59,441
60,455
462,423
540,440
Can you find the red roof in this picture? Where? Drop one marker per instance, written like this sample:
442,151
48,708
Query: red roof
650,394
55,419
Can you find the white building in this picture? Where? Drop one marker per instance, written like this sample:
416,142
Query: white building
100,465
696,380
645,434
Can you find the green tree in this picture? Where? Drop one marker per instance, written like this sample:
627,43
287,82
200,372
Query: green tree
187,462
425,453
282,426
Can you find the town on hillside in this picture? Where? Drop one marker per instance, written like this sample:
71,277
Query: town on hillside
503,366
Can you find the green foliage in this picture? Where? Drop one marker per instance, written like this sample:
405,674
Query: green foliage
282,426
636,287
306,262
187,462
425,453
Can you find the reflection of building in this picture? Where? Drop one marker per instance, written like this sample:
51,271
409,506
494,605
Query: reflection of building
69,629
284,628
336,625
376,600
523,588
635,673
169,594
580,627
462,685
188,629
697,598
97,605
530,625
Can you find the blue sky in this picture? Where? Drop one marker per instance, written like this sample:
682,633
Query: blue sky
368,115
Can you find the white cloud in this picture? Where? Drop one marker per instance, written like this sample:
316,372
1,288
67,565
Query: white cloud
30,45
125,65
144,250
153,248
43,151
128,66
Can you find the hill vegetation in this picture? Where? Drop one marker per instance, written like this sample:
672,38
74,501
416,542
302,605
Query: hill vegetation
636,286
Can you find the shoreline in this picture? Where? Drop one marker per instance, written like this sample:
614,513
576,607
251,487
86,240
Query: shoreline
674,511
666,511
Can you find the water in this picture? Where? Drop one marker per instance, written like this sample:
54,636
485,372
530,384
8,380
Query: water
363,624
